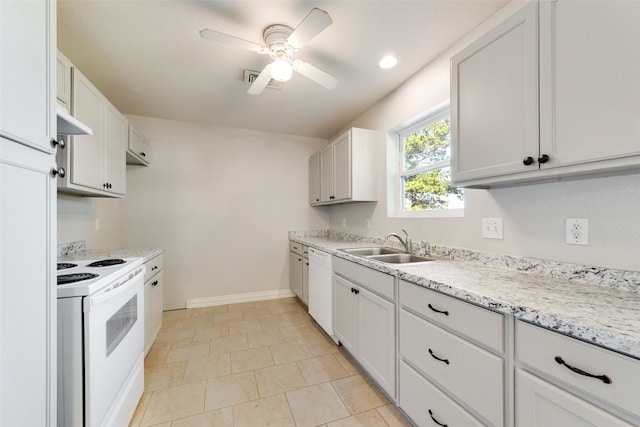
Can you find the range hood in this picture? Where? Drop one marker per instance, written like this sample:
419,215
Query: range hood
69,125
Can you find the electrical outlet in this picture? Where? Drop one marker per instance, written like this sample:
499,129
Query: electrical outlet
492,228
344,222
367,223
577,231
97,224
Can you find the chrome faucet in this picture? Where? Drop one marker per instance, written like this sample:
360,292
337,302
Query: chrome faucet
406,242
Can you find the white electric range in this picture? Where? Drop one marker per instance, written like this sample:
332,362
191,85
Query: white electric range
100,341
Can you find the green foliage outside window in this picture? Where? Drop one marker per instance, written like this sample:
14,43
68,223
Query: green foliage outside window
430,189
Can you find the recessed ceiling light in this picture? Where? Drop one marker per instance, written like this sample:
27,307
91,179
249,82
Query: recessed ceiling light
388,61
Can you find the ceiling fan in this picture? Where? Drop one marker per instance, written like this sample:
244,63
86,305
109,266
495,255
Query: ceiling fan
280,43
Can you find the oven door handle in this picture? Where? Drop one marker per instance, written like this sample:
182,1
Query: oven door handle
114,289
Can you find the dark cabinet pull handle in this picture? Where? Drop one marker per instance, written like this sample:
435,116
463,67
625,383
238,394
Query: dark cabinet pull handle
437,358
154,283
143,154
527,161
436,421
543,159
357,291
445,312
605,379
155,267
60,172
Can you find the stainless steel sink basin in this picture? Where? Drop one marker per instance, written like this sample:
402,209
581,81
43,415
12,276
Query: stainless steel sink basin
371,251
400,258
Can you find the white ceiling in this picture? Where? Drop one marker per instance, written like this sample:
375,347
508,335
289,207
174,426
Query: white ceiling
148,59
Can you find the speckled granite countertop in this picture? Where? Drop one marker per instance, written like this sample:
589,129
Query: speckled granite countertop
77,251
597,305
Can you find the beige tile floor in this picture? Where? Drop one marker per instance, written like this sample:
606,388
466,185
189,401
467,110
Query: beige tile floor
263,363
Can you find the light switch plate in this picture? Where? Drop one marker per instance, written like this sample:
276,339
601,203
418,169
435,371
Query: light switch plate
492,228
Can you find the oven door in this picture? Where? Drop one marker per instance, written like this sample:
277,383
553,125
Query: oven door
114,340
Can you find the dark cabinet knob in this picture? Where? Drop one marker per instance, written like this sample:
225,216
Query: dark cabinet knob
60,172
107,185
317,200
143,154
527,161
543,158
60,142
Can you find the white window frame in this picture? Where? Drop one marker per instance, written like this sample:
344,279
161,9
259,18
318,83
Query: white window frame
395,202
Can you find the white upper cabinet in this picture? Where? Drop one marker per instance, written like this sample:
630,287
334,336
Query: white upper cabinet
95,164
494,100
27,61
550,92
589,82
346,169
314,178
138,148
63,77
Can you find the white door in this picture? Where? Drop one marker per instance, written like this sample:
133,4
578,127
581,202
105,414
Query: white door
342,167
326,174
541,404
377,339
345,307
295,273
27,286
314,179
116,136
494,100
589,85
27,72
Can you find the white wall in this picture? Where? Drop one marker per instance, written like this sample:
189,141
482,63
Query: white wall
220,201
534,215
77,221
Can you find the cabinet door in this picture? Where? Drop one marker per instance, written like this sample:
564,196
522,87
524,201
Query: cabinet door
27,55
494,100
541,404
295,273
326,174
344,313
314,179
157,301
63,78
589,85
377,339
87,151
148,336
342,167
27,286
116,135
305,281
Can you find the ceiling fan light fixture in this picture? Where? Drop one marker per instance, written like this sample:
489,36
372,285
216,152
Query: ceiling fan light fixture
388,61
281,70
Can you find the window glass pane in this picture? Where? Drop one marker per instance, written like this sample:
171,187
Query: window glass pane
430,190
427,145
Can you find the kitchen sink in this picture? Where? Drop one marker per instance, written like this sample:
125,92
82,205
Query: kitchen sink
400,258
371,251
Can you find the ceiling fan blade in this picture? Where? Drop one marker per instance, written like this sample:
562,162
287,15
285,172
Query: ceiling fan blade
316,74
312,25
261,81
217,36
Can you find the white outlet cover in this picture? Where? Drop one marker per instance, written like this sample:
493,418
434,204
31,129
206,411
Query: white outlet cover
492,228
577,231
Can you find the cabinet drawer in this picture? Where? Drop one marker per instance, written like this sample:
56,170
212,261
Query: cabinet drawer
295,247
153,266
380,283
426,405
479,324
474,375
538,348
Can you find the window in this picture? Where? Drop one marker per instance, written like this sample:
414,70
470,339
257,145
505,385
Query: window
424,166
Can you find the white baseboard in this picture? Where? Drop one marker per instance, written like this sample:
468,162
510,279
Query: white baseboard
237,298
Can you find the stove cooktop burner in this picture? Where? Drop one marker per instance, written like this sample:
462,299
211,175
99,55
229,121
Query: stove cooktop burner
64,279
106,262
65,265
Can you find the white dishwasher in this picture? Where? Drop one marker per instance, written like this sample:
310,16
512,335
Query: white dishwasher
321,289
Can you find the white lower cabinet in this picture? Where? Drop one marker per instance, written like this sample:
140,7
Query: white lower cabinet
566,382
541,404
427,405
364,321
299,270
153,300
436,338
